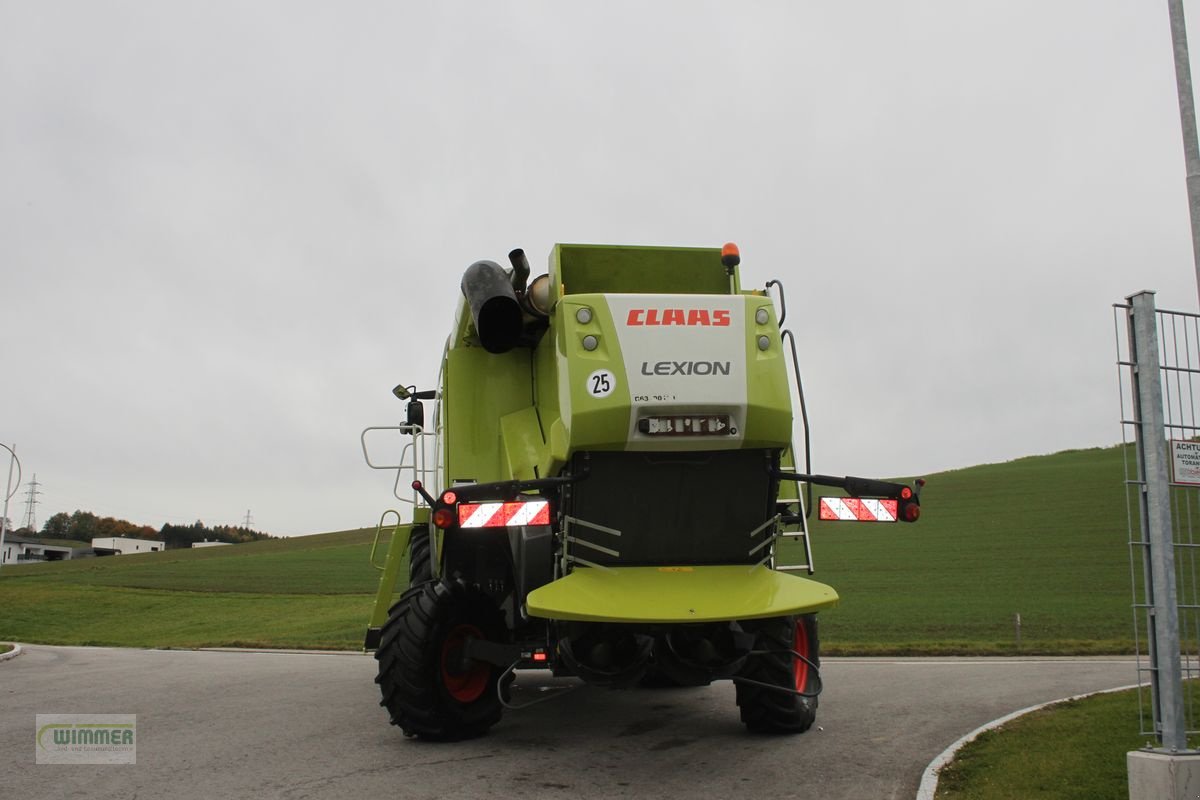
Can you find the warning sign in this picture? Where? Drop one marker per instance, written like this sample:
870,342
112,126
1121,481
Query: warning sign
1185,462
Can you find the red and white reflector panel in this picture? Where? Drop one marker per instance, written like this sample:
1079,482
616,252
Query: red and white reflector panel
858,509
503,515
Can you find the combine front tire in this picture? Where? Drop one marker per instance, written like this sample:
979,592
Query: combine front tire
429,689
769,710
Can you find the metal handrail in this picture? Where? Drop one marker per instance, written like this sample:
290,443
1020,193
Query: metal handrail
782,300
378,531
413,460
569,558
791,340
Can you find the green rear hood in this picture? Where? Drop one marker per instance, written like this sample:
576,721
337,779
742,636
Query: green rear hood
678,594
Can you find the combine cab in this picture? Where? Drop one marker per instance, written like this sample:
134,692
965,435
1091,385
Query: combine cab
599,488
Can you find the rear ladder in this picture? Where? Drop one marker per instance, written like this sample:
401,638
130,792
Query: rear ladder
794,525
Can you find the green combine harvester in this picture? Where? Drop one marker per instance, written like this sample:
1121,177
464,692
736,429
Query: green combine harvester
599,489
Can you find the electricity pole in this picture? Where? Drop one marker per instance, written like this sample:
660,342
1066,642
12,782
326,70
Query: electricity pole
8,493
31,502
1187,118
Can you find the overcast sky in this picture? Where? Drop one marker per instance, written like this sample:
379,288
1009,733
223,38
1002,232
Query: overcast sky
227,229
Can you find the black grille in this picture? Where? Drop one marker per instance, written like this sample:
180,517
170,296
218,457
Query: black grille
673,508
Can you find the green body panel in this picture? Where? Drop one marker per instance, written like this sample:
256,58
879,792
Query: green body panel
479,390
523,413
601,269
524,448
678,595
545,390
590,423
769,412
604,423
397,551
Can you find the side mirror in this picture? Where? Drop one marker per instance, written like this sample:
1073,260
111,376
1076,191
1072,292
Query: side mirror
416,414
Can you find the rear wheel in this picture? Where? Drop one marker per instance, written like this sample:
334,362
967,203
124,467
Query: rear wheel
774,664
420,561
430,689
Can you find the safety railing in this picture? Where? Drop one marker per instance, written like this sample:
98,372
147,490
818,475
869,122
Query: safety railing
420,452
793,526
570,540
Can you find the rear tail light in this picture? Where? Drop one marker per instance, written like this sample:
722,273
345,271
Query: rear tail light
868,509
450,513
444,517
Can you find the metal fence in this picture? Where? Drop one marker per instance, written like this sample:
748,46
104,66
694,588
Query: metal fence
1158,358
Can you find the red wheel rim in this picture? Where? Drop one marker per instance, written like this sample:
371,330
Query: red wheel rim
799,665
468,686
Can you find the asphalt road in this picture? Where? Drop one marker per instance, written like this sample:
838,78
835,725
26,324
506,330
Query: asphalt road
287,725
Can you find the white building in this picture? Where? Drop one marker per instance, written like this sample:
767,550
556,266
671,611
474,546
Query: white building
18,550
207,543
121,545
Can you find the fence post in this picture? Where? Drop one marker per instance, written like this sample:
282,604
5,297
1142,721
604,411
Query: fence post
1162,623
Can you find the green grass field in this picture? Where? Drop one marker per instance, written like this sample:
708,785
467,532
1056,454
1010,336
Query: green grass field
309,591
1044,537
1069,751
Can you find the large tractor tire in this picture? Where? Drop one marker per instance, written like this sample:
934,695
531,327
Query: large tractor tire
426,687
769,710
420,559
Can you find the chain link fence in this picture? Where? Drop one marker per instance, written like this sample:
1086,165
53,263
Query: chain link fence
1158,359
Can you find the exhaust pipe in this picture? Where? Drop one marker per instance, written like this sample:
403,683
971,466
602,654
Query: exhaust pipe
494,307
520,272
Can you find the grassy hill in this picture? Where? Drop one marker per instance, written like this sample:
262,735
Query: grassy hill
308,591
1044,537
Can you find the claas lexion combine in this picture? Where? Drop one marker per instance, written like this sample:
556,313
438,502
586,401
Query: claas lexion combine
601,489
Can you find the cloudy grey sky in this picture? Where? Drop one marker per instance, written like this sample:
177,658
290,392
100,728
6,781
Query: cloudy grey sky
227,229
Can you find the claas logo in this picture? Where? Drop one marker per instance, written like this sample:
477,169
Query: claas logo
715,318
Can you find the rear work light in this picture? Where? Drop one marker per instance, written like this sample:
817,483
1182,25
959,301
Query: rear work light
504,515
687,425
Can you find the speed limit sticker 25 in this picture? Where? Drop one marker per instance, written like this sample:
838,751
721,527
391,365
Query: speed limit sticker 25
601,383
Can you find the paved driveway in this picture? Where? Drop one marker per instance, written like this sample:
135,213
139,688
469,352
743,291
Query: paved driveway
299,725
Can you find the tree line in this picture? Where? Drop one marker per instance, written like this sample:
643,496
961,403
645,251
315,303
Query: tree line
83,526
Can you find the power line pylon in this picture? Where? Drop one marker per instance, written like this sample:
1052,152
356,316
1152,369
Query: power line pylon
31,501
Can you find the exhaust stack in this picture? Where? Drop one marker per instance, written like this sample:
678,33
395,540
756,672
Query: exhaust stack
494,307
520,269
